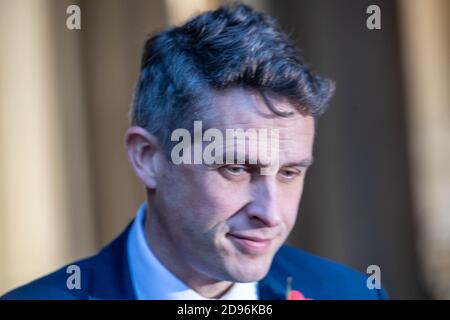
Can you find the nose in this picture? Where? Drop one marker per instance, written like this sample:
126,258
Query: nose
264,207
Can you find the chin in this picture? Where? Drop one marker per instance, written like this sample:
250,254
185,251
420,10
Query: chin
250,272
250,277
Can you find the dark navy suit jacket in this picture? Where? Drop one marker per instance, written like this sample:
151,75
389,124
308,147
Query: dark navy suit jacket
107,276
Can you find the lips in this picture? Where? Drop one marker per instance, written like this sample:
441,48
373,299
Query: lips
251,244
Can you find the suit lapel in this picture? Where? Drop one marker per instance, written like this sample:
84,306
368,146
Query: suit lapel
110,277
272,287
268,292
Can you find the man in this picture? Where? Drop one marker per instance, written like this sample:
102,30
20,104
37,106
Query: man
216,229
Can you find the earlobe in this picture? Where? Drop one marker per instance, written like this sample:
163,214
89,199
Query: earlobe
143,151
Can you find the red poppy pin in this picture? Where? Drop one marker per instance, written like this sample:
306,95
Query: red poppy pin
293,294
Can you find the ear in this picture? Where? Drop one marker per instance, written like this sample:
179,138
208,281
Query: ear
145,155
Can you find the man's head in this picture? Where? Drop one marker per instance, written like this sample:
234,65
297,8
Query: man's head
232,68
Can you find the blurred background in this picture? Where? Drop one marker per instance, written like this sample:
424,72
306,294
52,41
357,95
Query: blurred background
378,194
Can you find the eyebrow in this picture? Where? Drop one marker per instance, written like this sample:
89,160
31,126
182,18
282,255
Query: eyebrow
305,163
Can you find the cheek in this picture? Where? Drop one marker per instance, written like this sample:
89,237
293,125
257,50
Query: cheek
290,214
221,199
289,204
202,199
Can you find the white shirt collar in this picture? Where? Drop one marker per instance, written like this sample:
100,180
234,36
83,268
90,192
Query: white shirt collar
153,281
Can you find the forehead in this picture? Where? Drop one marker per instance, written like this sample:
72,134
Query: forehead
237,108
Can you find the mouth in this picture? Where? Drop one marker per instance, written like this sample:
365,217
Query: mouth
249,244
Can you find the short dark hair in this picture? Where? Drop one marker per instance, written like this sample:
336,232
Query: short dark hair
233,45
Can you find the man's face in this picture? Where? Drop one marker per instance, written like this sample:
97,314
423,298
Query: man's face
227,221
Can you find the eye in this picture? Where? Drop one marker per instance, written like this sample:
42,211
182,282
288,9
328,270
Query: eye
289,174
236,173
235,170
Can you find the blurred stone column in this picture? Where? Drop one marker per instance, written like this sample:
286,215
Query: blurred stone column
45,206
180,10
425,26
